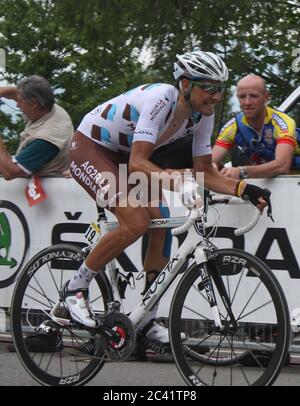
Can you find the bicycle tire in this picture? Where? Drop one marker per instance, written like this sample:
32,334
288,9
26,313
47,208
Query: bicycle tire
59,363
225,353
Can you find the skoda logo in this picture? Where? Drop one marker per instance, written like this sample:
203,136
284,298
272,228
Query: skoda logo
14,242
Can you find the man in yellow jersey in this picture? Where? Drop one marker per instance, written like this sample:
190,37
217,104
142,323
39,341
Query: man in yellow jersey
265,137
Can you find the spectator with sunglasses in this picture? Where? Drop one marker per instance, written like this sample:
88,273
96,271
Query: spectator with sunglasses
151,128
264,138
44,143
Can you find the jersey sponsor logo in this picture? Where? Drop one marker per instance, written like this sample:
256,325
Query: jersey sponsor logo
280,121
96,111
131,126
74,145
228,124
157,108
144,132
91,178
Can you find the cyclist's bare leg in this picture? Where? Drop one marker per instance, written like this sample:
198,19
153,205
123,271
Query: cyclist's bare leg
155,258
133,223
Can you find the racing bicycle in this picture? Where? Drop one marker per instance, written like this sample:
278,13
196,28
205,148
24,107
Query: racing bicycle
227,302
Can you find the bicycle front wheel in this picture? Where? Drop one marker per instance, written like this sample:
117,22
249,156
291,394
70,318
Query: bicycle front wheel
66,355
251,351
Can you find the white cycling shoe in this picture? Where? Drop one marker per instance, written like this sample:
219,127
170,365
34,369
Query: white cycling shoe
160,333
78,304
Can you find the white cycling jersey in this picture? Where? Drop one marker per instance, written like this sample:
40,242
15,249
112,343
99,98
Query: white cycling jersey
145,114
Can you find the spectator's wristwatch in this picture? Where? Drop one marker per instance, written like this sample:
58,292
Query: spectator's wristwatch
243,172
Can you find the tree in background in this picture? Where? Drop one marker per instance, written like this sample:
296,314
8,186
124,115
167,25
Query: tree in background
90,50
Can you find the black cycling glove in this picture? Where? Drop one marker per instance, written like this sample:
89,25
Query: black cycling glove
253,193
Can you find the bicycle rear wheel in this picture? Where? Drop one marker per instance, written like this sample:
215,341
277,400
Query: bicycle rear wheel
67,355
250,353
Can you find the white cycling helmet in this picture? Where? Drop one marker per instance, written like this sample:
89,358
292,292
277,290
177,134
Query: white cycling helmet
199,65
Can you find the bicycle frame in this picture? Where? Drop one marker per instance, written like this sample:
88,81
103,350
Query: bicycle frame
188,251
176,265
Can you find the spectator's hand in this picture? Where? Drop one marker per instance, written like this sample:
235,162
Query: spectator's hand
233,173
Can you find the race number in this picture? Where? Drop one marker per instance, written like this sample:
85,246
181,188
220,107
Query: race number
93,233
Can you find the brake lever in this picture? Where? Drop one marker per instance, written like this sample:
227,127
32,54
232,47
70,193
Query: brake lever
266,196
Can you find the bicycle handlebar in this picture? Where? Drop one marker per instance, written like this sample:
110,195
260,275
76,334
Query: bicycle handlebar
231,200
194,214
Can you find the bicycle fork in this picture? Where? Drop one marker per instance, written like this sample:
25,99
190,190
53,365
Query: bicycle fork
208,275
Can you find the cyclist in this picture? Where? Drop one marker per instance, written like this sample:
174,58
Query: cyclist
133,129
265,137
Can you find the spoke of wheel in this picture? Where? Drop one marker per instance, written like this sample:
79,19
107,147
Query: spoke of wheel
250,350
43,294
218,353
230,342
254,310
61,279
196,312
237,286
74,356
97,298
51,274
209,355
38,301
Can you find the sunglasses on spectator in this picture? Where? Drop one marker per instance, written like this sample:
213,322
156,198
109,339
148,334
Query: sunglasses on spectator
210,88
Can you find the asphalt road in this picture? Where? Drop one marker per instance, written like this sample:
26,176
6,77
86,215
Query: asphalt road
150,374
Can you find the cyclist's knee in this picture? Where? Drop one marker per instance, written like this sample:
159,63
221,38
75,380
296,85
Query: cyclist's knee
138,227
134,225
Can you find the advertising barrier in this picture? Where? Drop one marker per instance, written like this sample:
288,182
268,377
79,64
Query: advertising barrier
66,213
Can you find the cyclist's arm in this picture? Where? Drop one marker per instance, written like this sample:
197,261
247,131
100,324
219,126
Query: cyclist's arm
213,179
139,160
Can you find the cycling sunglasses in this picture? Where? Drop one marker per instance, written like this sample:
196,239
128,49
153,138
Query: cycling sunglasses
210,88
